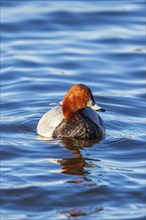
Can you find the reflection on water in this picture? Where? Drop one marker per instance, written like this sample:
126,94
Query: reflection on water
77,212
71,143
74,165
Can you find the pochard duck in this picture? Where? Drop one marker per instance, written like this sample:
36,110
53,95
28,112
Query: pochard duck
75,117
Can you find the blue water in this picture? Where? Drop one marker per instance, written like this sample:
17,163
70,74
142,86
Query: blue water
46,47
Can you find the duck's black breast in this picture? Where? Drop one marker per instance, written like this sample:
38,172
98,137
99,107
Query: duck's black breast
80,127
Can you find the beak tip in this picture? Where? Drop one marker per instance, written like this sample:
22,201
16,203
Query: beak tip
98,108
101,110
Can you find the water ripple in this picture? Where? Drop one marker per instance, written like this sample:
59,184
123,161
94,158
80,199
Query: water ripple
46,47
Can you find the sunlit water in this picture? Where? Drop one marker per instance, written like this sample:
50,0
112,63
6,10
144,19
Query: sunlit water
47,46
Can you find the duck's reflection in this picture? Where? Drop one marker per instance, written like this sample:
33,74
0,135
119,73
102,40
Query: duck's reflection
76,165
71,143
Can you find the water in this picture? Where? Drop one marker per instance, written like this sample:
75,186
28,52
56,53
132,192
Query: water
46,47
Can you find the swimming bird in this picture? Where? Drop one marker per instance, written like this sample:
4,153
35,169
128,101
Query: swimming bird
75,117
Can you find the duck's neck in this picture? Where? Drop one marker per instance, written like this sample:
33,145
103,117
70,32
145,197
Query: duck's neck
75,115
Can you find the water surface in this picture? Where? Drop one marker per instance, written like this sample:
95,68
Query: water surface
46,47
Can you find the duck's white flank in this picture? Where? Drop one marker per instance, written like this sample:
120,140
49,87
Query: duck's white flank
49,121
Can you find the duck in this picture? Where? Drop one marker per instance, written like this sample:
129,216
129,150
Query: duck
75,117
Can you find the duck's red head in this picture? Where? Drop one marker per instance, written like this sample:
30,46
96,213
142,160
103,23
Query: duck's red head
78,97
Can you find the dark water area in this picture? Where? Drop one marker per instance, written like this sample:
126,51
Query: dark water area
46,47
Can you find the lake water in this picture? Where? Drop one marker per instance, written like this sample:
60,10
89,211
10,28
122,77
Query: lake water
46,47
